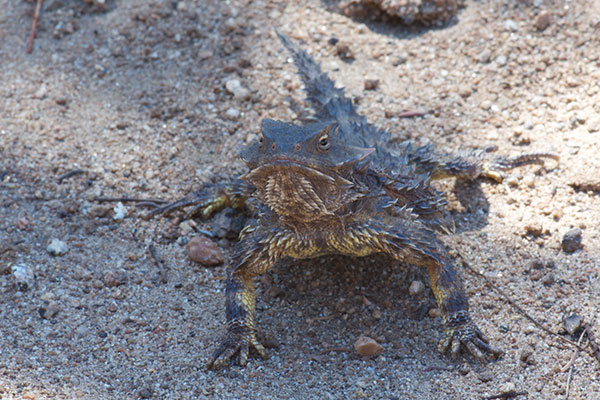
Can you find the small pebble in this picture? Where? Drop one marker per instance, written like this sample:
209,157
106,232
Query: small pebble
80,273
593,124
416,288
114,278
486,376
548,280
533,229
464,91
572,323
119,212
536,275
227,224
343,51
529,181
434,312
510,25
525,353
57,247
371,84
24,276
274,291
41,92
508,387
536,264
484,57
542,21
526,356
98,284
501,60
367,347
49,310
232,114
572,241
239,92
145,393
204,251
98,211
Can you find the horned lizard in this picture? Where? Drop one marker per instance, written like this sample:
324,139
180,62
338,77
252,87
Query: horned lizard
337,186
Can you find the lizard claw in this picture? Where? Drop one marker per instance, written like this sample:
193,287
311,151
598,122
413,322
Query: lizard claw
470,337
233,344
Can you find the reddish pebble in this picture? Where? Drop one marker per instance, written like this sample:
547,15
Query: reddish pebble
367,347
204,251
23,224
114,278
543,20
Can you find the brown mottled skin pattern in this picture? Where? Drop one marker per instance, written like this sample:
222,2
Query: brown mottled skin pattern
338,187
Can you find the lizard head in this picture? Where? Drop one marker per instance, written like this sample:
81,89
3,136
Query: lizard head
302,172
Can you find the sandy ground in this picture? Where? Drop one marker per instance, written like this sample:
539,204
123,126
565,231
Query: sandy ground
134,97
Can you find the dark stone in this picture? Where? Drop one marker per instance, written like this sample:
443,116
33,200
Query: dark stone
572,241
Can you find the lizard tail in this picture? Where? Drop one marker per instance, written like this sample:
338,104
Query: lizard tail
329,102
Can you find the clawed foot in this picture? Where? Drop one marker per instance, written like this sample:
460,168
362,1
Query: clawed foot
204,203
493,170
470,337
233,344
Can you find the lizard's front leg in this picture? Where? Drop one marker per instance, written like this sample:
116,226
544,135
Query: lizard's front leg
255,254
407,239
210,199
460,329
241,332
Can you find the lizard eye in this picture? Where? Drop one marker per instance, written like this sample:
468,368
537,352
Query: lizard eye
324,143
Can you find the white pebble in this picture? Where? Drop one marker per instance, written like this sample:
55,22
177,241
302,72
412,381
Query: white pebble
416,288
501,60
232,114
510,25
23,275
57,247
119,212
239,92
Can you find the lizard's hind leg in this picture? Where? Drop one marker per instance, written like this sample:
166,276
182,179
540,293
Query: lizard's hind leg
468,164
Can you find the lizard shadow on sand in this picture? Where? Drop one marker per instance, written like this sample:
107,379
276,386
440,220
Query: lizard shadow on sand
330,301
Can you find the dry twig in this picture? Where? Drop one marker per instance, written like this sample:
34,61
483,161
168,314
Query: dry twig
570,363
411,114
141,202
335,349
592,341
69,174
506,395
36,17
438,368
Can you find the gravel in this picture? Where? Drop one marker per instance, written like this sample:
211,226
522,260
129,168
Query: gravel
145,117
